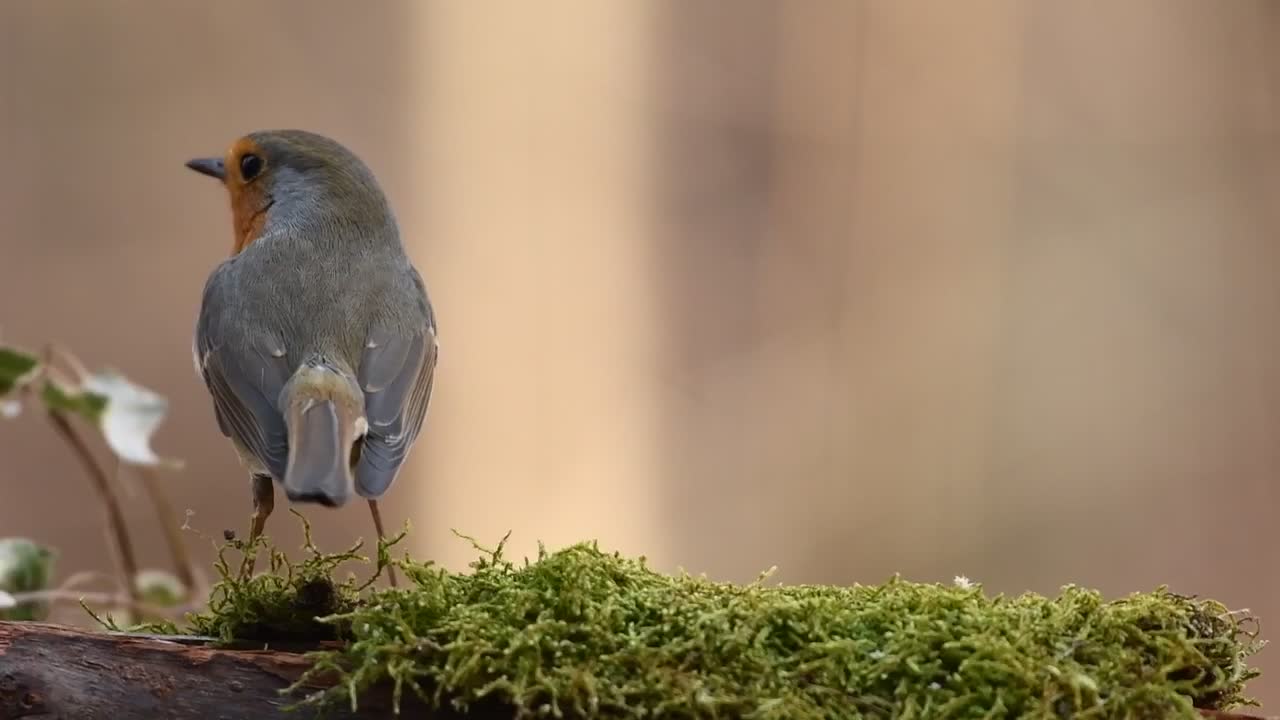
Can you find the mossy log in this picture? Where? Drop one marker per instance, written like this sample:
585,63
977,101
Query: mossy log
55,671
583,634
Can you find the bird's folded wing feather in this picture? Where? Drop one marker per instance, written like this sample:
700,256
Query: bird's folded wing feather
396,374
244,379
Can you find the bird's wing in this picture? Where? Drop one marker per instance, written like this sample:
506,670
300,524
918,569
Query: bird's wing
244,377
396,371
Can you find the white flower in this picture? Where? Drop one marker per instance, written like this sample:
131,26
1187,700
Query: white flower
10,409
131,417
7,601
963,582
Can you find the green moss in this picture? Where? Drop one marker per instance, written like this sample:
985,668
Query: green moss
582,633
285,604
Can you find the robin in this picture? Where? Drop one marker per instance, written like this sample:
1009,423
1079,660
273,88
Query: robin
316,338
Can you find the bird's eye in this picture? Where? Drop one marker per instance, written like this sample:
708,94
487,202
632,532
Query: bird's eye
250,166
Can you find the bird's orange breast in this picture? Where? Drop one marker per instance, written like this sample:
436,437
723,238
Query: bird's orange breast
249,216
249,200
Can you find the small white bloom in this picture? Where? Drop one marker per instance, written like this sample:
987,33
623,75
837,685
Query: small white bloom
963,582
10,409
876,654
159,587
131,417
7,601
934,686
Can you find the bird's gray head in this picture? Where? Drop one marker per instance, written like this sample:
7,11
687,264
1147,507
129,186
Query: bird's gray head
294,177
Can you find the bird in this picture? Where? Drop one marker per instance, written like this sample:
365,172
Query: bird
316,338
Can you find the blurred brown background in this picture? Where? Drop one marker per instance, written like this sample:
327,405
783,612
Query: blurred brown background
853,288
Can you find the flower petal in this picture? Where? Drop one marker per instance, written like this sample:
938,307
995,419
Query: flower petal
131,417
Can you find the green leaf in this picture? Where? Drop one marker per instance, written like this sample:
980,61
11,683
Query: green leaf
25,566
74,401
16,369
127,414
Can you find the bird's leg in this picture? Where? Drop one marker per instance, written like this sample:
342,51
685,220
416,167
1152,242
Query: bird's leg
377,524
264,501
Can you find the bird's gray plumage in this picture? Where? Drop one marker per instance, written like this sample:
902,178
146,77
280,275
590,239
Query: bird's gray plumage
356,306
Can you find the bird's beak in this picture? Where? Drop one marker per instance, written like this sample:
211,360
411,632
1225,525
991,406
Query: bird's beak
208,166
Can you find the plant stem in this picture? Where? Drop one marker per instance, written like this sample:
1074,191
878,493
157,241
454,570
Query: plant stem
164,512
96,598
82,577
115,518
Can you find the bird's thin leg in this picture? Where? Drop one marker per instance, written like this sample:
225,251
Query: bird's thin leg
264,501
377,524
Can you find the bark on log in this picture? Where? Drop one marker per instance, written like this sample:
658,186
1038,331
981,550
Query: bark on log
55,672
51,671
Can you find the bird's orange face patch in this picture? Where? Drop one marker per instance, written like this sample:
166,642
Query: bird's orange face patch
249,198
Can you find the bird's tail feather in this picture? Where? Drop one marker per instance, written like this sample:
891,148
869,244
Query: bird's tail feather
324,414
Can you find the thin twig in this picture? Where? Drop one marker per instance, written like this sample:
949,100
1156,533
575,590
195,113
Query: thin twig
124,548
83,577
97,598
172,532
